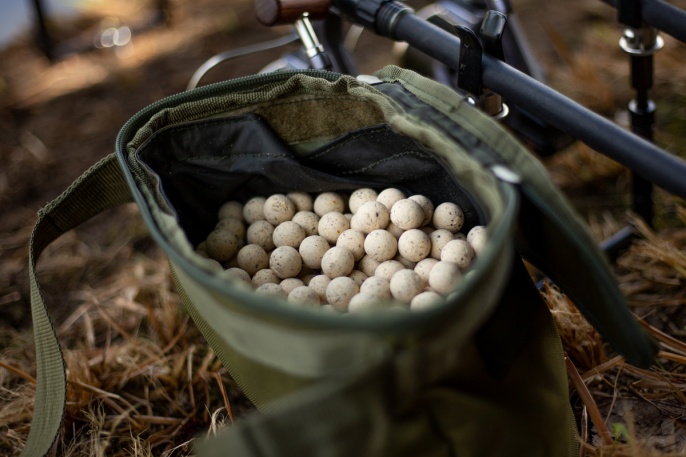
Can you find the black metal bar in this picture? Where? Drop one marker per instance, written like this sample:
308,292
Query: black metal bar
661,15
469,73
642,111
602,135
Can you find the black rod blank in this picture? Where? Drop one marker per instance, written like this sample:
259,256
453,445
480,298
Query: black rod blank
602,135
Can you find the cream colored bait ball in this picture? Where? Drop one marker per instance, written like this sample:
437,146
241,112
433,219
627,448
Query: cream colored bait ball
405,285
271,290
339,292
237,274
337,262
308,221
458,252
388,268
477,238
328,202
233,225
312,250
233,261
278,208
263,277
253,210
308,273
213,264
305,271
448,216
353,241
301,200
285,262
407,263
221,245
367,265
443,277
370,216
427,207
377,286
389,196
439,238
332,224
319,283
201,249
252,258
359,197
394,230
423,268
304,295
425,300
358,276
380,245
407,214
289,284
364,302
288,234
261,233
306,278
414,245
229,209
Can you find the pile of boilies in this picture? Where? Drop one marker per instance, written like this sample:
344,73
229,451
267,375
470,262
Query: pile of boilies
350,253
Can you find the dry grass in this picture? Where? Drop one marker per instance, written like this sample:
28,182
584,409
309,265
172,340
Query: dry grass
625,410
141,380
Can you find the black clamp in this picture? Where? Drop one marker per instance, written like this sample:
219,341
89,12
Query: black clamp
638,39
471,52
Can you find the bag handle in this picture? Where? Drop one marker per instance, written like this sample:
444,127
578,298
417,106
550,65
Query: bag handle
101,187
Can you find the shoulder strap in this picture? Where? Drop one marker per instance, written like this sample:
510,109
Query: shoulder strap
101,187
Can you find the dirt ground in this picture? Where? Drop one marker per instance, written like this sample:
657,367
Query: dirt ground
58,118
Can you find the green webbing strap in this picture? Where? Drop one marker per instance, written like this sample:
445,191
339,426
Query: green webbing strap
101,187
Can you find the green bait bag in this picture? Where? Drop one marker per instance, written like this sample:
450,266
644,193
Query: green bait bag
481,374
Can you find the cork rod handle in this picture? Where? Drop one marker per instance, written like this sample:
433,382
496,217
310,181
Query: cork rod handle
275,12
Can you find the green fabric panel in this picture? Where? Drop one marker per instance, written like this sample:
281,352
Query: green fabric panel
462,412
101,187
341,417
261,384
525,413
315,118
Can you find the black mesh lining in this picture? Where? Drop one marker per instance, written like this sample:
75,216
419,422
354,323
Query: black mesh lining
206,163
